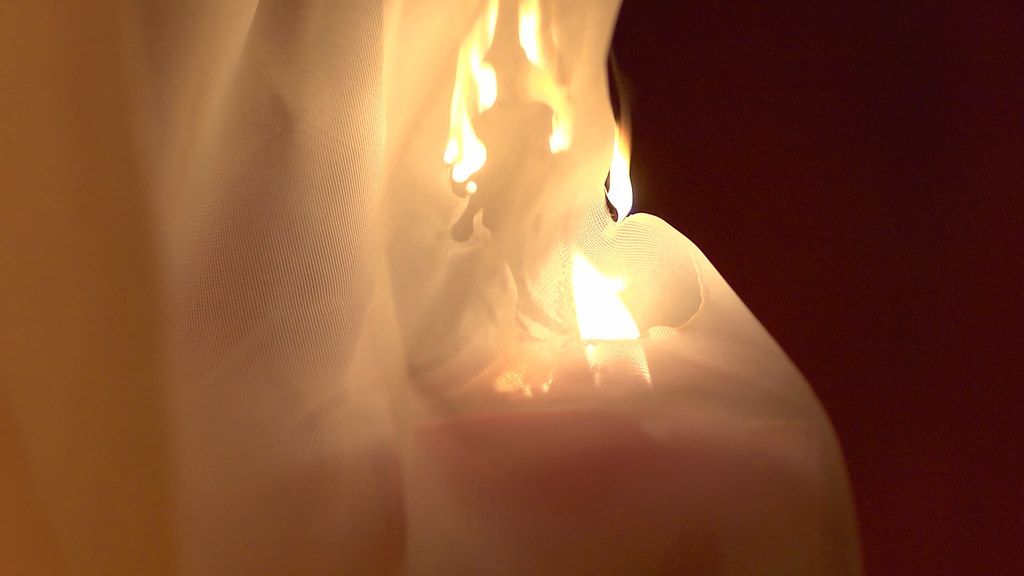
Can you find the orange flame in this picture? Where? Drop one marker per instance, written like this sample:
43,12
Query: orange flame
475,91
542,85
620,189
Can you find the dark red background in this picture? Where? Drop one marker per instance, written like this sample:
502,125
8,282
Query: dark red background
855,173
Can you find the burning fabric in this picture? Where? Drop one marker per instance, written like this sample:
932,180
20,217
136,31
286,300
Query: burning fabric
376,316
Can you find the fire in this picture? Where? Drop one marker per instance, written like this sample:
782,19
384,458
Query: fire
541,83
620,190
530,72
475,91
600,313
530,31
612,337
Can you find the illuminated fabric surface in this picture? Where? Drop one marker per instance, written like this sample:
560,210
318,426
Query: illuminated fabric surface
238,337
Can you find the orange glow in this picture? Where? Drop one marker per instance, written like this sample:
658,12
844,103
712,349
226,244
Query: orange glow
620,189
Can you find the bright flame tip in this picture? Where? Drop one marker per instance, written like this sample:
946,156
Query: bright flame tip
620,189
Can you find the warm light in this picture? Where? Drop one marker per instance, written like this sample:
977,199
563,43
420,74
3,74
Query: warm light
541,84
529,30
522,382
512,382
600,313
476,89
620,190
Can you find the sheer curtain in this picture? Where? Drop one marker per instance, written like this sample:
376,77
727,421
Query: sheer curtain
237,337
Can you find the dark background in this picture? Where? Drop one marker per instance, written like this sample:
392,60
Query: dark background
855,173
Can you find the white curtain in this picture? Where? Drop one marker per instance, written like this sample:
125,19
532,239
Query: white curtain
237,336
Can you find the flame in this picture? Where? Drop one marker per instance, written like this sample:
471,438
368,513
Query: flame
620,190
476,89
541,84
530,32
600,313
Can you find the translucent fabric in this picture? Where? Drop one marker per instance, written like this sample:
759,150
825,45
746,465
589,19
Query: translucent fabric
241,331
